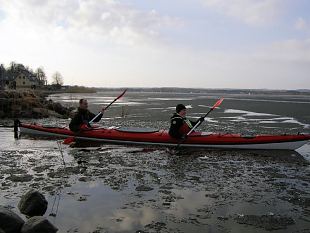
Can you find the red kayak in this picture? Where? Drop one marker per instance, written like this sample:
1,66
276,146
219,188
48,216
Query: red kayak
148,136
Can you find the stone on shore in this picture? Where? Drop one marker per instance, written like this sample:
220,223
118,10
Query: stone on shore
38,224
20,178
33,203
268,222
29,104
9,221
143,188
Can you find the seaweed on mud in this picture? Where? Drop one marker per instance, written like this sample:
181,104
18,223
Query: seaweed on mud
268,222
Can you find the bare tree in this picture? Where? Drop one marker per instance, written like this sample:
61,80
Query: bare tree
57,79
41,76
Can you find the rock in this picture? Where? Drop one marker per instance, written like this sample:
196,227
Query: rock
22,104
20,178
84,179
82,198
33,203
54,114
9,221
222,218
40,112
38,224
143,188
58,108
268,222
212,195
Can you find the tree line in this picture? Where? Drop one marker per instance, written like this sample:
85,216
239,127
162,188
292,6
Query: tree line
9,73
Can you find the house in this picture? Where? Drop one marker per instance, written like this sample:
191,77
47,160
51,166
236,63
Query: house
24,80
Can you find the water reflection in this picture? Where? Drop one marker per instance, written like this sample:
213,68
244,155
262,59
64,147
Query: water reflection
132,220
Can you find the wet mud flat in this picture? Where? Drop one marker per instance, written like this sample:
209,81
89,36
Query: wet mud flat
112,188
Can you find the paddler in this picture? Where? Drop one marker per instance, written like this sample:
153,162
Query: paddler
180,125
83,116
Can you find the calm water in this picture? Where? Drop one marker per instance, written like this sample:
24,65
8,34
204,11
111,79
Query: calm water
112,188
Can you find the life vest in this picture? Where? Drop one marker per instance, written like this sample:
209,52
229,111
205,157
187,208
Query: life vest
186,127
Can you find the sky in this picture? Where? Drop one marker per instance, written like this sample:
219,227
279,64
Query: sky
161,43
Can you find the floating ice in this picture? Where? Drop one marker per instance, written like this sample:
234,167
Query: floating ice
247,113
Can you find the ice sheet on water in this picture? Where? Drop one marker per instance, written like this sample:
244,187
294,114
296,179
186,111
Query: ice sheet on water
208,119
166,99
247,113
120,103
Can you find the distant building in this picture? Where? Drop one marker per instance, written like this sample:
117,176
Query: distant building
23,80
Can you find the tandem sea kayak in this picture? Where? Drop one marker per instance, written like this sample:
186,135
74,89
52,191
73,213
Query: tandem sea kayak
149,136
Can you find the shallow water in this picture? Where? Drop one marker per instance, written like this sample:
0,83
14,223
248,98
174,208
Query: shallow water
113,188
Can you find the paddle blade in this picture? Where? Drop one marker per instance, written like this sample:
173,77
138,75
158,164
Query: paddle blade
218,103
118,97
68,140
121,95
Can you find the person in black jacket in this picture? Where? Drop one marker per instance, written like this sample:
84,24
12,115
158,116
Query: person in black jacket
83,117
180,126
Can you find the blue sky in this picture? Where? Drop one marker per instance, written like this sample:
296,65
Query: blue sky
161,43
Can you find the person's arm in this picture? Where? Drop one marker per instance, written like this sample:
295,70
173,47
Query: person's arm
98,118
200,120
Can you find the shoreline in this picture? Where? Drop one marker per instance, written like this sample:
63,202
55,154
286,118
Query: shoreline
30,105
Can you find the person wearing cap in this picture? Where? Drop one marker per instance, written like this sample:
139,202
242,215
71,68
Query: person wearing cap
83,116
180,125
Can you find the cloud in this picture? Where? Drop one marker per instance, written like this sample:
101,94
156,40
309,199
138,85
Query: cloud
108,43
296,51
251,12
302,25
108,19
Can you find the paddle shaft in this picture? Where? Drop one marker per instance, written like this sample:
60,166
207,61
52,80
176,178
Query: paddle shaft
199,122
218,103
108,106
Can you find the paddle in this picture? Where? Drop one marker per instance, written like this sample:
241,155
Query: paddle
71,139
218,103
120,96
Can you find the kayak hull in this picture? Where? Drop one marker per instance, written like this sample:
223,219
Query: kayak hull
162,138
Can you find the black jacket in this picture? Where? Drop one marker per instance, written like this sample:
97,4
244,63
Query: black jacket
82,117
176,123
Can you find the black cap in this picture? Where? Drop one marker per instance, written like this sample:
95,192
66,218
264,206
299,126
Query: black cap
180,107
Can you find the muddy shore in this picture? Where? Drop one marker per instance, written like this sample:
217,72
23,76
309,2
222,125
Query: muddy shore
223,191
116,188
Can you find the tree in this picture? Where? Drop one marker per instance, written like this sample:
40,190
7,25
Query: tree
41,76
57,79
2,74
16,68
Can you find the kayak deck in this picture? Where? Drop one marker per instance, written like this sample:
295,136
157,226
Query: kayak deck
161,137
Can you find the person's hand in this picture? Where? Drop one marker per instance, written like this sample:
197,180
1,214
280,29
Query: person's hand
102,110
201,119
84,127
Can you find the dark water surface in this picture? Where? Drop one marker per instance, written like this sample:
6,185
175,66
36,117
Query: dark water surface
113,188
